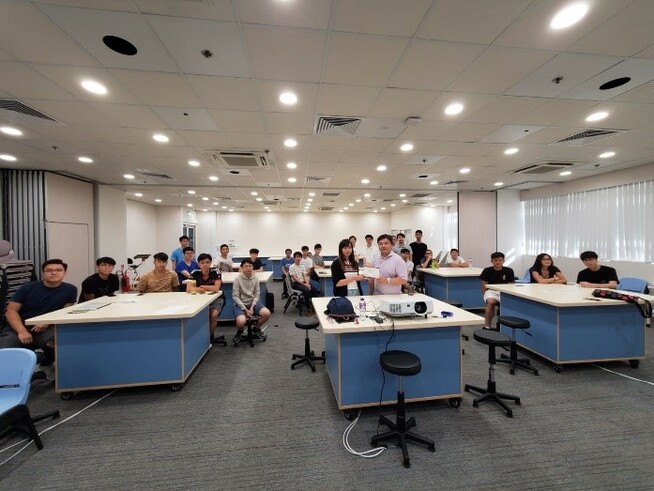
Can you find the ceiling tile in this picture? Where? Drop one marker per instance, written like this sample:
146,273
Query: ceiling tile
18,23
504,109
421,66
71,112
346,100
187,40
239,121
118,5
23,82
204,139
642,95
471,103
89,27
387,17
468,132
401,103
427,130
472,21
499,69
552,111
311,15
270,90
186,119
361,60
204,9
131,116
285,54
159,89
293,124
225,93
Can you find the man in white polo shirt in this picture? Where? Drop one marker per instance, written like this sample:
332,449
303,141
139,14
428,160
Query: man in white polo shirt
392,269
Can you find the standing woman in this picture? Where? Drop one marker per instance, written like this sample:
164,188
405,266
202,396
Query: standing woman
345,270
544,271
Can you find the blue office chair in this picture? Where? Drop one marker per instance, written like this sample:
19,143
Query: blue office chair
633,285
16,368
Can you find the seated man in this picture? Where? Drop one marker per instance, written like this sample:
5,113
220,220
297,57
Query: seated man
494,275
596,276
159,280
34,299
300,279
185,267
428,261
209,281
454,260
405,253
224,261
246,294
257,264
285,263
102,283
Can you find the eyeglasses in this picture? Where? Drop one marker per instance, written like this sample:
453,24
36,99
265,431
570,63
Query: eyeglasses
53,270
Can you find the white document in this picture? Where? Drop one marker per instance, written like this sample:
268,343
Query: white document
370,272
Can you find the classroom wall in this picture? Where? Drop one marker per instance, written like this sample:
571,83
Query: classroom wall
141,237
110,214
477,225
510,230
429,220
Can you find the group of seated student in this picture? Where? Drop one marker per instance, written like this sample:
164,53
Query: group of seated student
543,271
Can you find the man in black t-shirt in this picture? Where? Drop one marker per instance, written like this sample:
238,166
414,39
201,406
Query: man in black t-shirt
494,275
418,250
209,281
596,276
102,283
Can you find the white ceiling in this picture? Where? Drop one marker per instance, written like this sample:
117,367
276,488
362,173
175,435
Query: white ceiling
381,60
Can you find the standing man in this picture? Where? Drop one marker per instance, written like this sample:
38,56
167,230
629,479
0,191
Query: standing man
209,280
186,266
102,283
494,275
418,250
596,276
178,254
284,264
246,294
159,280
34,299
370,252
392,269
357,252
400,243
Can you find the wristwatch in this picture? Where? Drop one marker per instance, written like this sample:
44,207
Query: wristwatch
388,281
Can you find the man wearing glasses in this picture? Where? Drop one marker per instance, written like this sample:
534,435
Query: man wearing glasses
38,298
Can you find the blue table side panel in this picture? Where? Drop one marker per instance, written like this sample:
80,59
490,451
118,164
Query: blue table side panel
276,269
118,353
228,291
466,289
196,339
435,287
361,375
331,360
543,320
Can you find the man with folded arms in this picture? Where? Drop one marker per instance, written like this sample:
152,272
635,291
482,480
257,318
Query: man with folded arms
159,280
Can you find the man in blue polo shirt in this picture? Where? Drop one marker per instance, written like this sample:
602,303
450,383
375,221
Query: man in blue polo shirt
34,299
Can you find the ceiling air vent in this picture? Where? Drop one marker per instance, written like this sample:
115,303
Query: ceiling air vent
16,111
317,180
336,125
326,208
543,168
453,181
148,177
331,194
587,136
420,195
241,160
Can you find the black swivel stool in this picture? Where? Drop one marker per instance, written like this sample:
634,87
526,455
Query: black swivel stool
307,323
515,323
492,339
402,364
250,334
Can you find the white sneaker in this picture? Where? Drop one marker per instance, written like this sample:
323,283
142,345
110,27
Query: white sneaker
49,371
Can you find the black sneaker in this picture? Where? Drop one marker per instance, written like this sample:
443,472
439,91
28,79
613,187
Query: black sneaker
284,295
237,337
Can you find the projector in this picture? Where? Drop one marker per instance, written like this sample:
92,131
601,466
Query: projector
403,306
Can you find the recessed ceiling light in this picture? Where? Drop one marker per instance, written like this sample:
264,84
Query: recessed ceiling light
383,208
405,201
569,16
350,204
464,170
288,98
128,176
449,200
138,195
340,211
204,198
292,179
511,151
213,178
189,204
85,160
598,116
161,138
366,195
231,210
312,193
407,147
358,200
10,130
381,168
392,204
215,203
94,87
454,108
375,211
269,210
365,181
402,195
499,183
8,158
565,173
194,163
291,165
224,207
157,200
306,211
253,193
204,209
290,143
309,200
259,199
433,183
191,191
345,207
606,155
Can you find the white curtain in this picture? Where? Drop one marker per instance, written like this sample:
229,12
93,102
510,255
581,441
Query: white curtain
616,222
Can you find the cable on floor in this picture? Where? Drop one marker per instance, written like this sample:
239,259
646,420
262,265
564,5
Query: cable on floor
29,441
368,454
623,375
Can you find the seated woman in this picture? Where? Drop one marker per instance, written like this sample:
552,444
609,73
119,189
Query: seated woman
345,271
544,271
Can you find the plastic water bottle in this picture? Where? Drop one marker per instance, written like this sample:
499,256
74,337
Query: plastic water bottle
470,262
362,308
